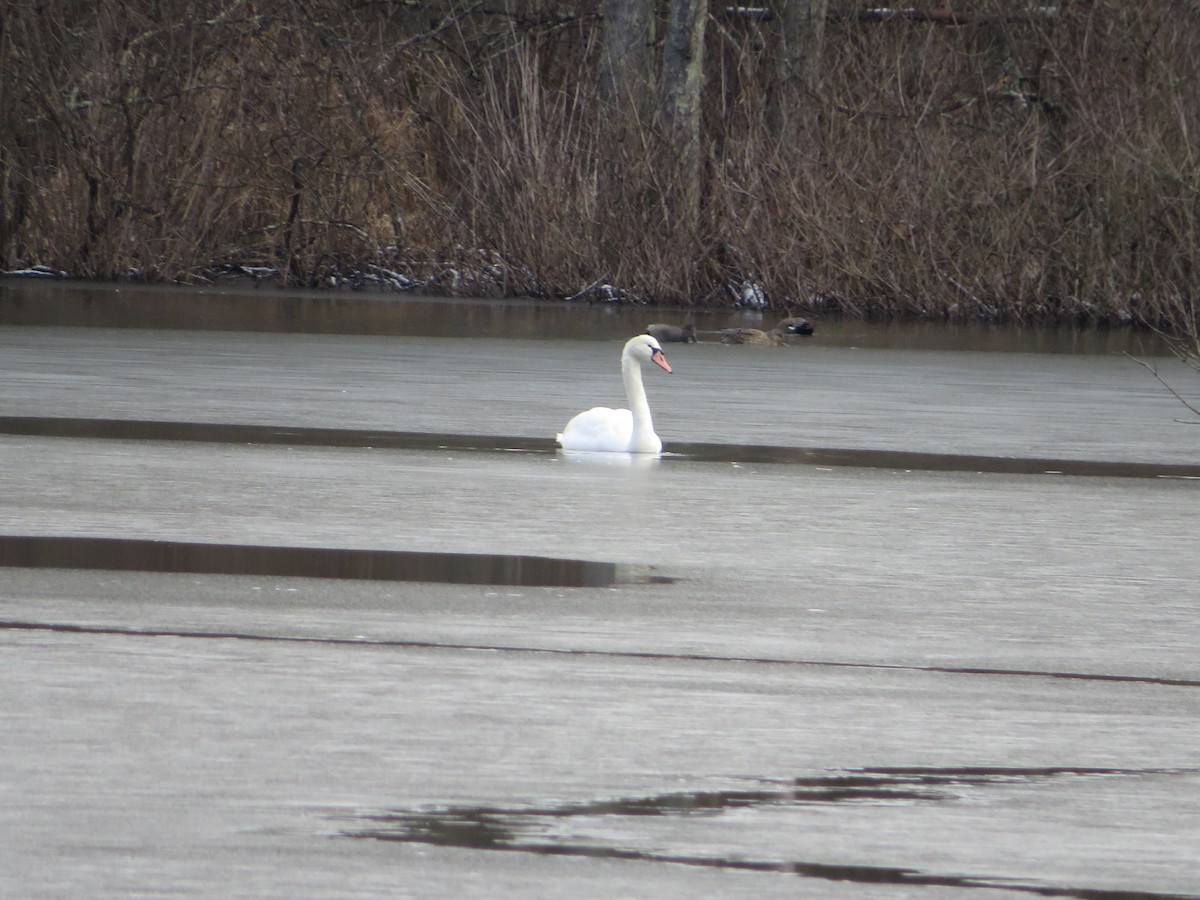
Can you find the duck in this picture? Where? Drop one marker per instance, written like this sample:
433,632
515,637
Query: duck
756,336
795,325
673,334
773,338
605,430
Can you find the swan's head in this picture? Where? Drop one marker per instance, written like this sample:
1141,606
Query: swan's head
643,348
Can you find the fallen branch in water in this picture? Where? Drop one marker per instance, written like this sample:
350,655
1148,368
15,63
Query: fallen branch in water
1153,371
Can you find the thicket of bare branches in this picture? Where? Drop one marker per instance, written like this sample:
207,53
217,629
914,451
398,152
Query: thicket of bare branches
1019,168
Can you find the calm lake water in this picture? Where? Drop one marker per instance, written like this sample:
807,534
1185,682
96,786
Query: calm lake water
24,302
828,656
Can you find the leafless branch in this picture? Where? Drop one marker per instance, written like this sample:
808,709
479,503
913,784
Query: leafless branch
950,17
1153,371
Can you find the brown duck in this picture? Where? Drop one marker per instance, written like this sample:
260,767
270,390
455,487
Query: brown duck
772,338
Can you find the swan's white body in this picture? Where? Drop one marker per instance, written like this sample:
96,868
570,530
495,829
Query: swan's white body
621,430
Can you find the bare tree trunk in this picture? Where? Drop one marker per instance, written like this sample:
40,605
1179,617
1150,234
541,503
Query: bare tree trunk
627,88
626,63
800,31
679,103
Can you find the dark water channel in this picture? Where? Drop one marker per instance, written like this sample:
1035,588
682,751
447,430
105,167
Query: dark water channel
587,829
134,555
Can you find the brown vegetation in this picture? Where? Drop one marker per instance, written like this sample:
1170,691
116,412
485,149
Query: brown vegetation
992,166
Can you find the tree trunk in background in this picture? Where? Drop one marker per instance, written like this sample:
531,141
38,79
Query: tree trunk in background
800,33
626,61
679,106
627,91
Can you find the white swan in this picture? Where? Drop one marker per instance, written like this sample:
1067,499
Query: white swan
621,430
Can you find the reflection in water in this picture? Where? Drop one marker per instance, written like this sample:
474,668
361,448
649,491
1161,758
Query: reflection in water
607,829
637,461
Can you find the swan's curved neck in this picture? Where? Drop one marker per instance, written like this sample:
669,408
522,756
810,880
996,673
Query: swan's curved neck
631,370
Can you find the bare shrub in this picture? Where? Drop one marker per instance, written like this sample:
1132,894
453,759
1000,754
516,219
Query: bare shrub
1006,171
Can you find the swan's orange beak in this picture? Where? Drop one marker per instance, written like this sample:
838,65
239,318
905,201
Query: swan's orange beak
660,361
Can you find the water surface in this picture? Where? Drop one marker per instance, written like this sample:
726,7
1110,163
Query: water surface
268,309
914,631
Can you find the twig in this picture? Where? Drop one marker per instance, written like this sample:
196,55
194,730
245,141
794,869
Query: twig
1153,371
949,17
579,294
